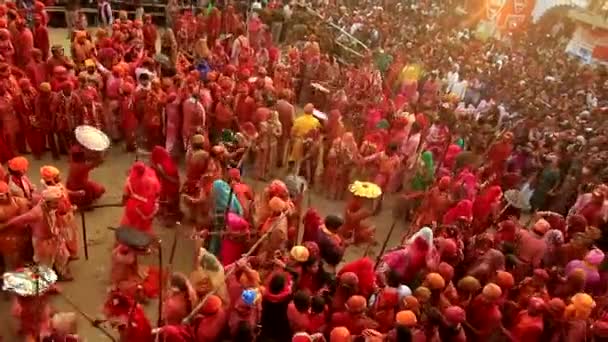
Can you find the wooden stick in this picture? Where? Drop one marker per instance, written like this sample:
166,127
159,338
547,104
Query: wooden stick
385,243
200,305
84,235
94,322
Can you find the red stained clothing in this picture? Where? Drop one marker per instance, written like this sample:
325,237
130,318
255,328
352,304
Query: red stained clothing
168,174
355,323
210,327
36,72
23,43
78,179
41,40
150,36
484,317
298,321
527,328
364,269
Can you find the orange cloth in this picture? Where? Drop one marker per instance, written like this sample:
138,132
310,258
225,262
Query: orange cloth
19,164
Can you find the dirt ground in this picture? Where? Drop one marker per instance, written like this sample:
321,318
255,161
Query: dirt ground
89,288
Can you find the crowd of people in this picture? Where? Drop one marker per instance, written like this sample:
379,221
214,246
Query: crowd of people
494,151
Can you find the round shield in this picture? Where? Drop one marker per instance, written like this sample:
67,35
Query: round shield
365,189
133,238
92,138
29,281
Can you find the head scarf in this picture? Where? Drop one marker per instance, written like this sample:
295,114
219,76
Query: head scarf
483,204
425,233
462,210
221,192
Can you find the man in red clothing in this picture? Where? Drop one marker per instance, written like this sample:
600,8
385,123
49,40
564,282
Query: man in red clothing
41,36
150,35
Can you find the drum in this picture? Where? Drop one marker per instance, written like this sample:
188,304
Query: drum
133,238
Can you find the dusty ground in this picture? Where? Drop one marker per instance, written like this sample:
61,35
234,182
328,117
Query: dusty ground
91,276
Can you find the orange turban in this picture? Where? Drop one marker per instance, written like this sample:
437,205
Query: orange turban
299,253
356,303
411,303
45,87
49,173
504,280
434,281
19,164
406,318
339,334
491,292
212,305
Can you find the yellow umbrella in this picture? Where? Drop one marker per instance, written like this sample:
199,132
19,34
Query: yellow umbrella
365,189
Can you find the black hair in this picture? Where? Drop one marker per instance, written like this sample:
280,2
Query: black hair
301,300
317,304
333,222
404,334
392,278
277,284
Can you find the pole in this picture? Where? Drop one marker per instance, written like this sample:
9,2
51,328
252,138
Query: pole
160,284
83,221
94,322
200,305
385,243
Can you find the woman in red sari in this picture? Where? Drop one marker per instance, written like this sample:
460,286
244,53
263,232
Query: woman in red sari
141,198
234,242
168,175
484,206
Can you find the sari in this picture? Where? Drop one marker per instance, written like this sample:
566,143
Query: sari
426,173
168,175
222,198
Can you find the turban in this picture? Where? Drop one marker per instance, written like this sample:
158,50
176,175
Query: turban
434,281
356,304
469,284
406,318
313,249
504,280
89,63
404,291
212,305
339,334
49,173
45,87
24,83
411,303
349,279
491,292
299,253
52,193
594,257
19,164
446,271
66,85
422,293
277,205
541,226
454,314
556,307
536,304
197,139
